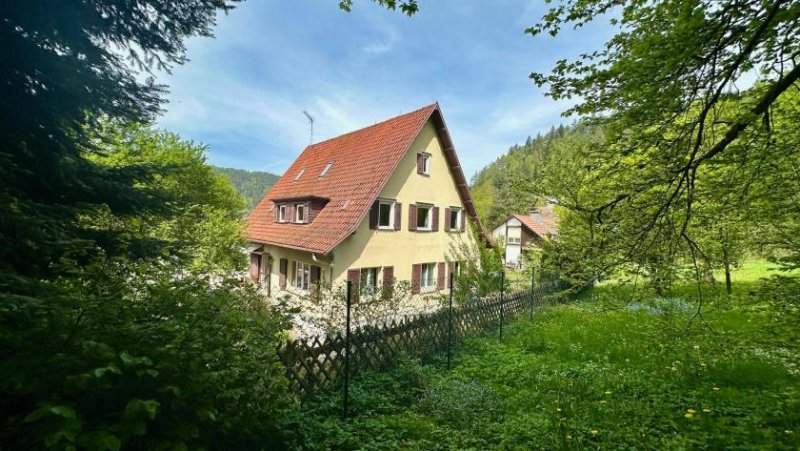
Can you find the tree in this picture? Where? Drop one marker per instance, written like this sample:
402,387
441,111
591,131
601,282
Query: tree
665,90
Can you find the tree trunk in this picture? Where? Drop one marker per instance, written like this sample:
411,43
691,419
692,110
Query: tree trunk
728,288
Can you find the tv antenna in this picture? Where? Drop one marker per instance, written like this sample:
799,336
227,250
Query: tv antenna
311,123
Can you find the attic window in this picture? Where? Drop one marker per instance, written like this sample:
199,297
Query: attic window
299,174
327,168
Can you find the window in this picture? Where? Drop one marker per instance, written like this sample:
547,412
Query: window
455,219
457,268
427,280
369,281
302,275
514,240
386,215
300,174
424,163
282,213
326,169
424,216
300,213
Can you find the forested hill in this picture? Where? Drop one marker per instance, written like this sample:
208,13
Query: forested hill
505,186
251,184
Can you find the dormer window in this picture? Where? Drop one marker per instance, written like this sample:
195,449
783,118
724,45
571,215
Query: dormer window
282,213
300,213
424,163
326,169
299,174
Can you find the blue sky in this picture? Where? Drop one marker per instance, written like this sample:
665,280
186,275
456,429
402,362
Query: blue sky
243,92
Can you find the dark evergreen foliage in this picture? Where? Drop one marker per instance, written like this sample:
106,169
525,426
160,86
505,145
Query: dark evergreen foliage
250,184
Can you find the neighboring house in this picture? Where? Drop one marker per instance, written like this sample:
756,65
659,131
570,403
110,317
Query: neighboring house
518,231
376,205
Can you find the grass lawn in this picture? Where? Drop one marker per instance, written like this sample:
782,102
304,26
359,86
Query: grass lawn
615,369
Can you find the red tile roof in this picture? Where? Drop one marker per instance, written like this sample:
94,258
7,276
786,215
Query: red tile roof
363,161
546,227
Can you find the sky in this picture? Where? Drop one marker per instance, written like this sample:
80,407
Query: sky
243,92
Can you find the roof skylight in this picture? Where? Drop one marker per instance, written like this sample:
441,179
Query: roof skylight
326,169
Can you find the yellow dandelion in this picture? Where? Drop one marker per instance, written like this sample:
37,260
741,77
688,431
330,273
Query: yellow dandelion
594,432
691,411
608,392
706,410
688,415
715,388
558,409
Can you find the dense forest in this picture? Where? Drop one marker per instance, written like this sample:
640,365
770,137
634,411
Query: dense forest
499,189
250,184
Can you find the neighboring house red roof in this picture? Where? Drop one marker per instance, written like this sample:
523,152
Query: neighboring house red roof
363,161
545,227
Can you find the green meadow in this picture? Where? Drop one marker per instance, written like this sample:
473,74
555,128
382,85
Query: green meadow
616,368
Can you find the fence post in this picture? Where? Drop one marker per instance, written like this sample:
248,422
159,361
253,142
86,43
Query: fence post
502,301
347,352
450,324
533,288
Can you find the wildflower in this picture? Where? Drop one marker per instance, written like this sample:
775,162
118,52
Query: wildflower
608,392
706,410
558,409
594,432
569,436
715,388
788,431
602,401
688,415
692,411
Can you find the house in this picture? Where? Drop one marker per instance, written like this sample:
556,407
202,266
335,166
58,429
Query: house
518,231
373,206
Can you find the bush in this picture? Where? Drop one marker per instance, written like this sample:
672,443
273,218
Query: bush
113,356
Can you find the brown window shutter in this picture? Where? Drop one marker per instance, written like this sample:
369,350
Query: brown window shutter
388,277
416,275
420,164
290,213
354,275
463,219
277,212
398,215
255,267
435,221
284,269
373,215
412,217
447,213
440,276
308,212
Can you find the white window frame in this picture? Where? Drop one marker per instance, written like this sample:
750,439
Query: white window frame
426,163
281,213
368,287
457,212
297,209
514,240
302,276
300,174
390,203
429,223
429,283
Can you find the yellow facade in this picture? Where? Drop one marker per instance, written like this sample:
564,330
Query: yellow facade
368,248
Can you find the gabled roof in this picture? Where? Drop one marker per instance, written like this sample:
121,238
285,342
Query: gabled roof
546,227
363,161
